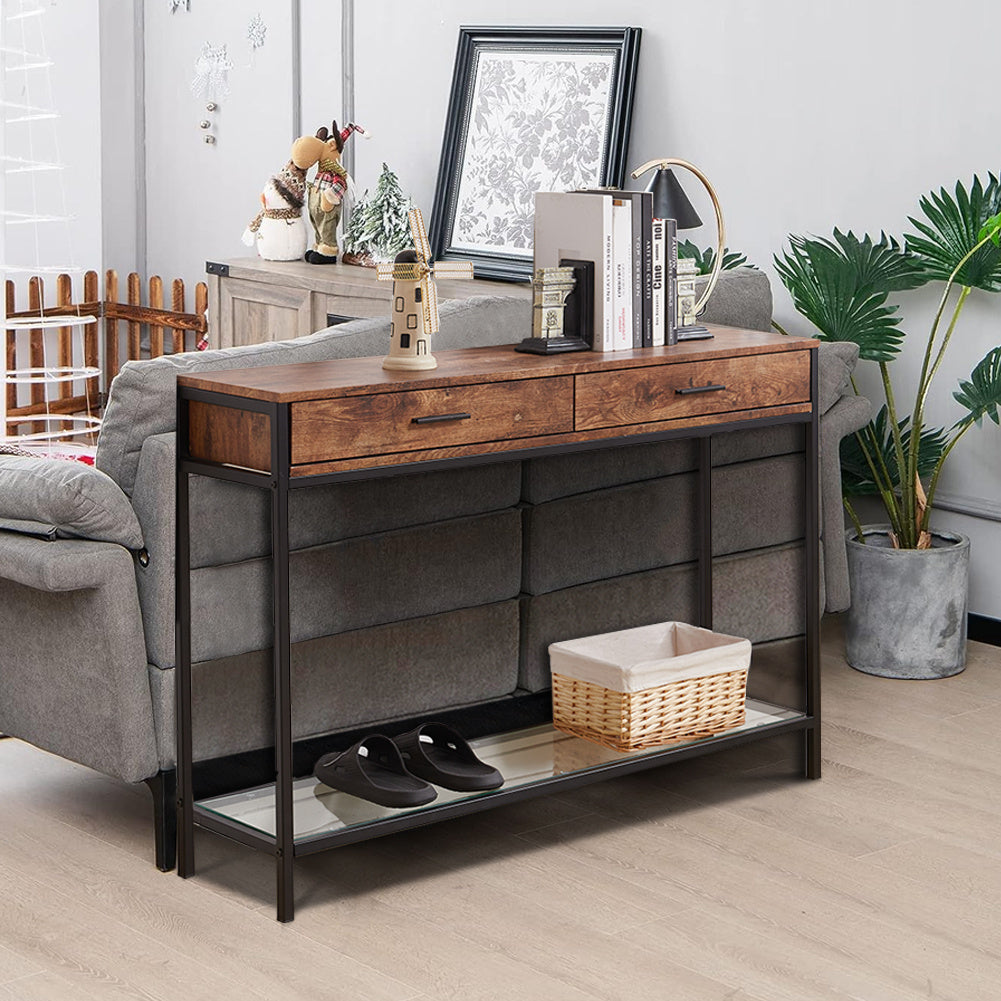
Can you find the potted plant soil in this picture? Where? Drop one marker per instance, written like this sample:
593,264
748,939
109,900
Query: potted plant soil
909,579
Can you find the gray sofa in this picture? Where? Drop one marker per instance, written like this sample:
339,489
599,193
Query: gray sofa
87,652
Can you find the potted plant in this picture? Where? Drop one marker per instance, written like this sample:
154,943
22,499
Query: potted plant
908,579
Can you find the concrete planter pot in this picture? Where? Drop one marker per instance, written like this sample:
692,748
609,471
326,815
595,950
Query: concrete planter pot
908,613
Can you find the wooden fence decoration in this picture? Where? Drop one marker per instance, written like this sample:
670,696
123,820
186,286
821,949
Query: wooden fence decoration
168,331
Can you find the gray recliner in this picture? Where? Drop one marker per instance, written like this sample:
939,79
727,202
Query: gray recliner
86,629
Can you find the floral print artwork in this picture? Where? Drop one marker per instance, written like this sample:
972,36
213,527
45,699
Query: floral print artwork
537,122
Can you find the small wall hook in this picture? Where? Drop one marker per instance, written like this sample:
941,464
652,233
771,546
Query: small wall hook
210,139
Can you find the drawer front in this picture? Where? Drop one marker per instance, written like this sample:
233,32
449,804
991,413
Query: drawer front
384,423
686,389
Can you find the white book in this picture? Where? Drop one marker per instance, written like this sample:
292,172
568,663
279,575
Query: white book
659,270
579,227
622,249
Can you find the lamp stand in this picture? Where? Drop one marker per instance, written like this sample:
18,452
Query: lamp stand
695,331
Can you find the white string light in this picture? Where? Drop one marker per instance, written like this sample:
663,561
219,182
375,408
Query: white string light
24,59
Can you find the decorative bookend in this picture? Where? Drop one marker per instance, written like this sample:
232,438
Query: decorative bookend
556,304
415,299
689,329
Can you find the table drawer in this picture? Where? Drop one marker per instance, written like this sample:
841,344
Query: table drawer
686,389
383,423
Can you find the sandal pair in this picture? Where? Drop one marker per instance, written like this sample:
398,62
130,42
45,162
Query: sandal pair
399,772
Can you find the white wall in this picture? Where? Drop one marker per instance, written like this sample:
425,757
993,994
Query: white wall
123,222
805,116
200,197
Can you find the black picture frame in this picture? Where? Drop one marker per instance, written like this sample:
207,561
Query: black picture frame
602,59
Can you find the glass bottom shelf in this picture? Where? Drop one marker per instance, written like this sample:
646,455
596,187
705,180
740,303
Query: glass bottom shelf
532,756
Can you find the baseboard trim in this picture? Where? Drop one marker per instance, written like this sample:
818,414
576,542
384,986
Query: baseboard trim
983,629
974,507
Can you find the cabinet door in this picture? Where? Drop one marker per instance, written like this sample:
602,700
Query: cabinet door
253,313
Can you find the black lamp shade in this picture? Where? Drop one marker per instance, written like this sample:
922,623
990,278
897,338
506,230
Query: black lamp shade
670,200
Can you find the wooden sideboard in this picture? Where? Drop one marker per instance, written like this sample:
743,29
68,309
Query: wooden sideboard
252,300
295,426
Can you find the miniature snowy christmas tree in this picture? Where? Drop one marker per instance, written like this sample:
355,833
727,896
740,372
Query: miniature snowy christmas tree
387,230
353,242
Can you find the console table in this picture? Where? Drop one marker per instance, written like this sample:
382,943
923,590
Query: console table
252,300
294,426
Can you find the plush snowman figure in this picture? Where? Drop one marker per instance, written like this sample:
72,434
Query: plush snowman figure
278,231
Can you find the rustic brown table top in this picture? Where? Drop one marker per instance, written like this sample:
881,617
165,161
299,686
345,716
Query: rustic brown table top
365,376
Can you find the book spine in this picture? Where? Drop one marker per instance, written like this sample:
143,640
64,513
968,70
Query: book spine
622,217
636,228
658,274
644,277
671,327
608,282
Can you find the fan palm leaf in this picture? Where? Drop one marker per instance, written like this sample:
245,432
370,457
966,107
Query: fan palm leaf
841,286
981,395
704,259
855,472
952,227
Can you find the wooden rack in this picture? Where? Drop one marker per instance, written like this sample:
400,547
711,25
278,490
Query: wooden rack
168,331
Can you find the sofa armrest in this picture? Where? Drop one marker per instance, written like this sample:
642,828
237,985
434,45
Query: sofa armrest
73,676
837,360
61,564
846,416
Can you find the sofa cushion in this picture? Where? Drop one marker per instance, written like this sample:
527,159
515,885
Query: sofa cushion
626,529
760,594
742,298
558,476
362,677
142,400
356,583
640,526
69,500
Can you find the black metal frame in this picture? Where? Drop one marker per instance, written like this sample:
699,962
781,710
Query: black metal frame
283,845
615,142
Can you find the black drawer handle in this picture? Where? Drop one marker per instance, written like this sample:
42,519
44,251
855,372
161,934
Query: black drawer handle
708,388
438,418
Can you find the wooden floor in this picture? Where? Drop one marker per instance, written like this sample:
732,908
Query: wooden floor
723,878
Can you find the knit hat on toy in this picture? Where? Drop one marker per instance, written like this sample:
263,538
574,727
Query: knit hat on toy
290,183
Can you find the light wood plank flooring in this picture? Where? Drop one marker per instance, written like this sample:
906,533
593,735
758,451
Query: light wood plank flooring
722,878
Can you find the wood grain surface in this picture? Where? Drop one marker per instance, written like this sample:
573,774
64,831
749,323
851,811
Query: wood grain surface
668,392
517,444
224,434
385,422
364,376
350,281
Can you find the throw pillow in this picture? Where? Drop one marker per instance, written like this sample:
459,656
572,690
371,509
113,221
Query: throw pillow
58,499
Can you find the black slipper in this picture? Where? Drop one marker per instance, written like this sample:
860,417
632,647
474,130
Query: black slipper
374,770
437,753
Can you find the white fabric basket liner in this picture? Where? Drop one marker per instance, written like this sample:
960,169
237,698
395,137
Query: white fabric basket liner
632,660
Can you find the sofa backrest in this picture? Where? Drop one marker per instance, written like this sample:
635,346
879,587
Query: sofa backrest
742,298
142,400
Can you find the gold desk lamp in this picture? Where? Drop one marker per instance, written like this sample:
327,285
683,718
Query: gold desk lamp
671,202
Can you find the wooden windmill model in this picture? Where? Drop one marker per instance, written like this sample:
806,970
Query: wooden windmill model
415,299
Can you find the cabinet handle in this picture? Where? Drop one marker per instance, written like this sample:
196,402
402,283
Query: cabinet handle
438,418
708,388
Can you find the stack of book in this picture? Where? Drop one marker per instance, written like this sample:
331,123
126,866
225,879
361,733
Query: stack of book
635,258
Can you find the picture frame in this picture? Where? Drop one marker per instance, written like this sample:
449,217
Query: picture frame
531,109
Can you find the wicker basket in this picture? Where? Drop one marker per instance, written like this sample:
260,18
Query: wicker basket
646,687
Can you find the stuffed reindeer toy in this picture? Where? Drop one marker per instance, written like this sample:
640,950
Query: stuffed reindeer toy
278,231
326,191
